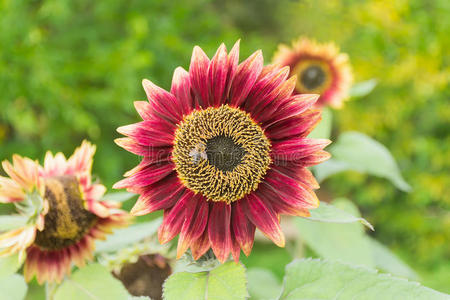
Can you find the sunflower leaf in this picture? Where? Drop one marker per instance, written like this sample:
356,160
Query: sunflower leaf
227,281
127,236
262,284
389,262
358,152
118,196
9,265
89,283
13,287
319,279
345,241
332,214
363,88
8,222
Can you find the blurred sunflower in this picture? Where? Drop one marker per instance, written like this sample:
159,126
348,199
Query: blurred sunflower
320,69
61,211
224,151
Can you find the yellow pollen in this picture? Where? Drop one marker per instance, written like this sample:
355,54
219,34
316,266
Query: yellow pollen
221,153
67,220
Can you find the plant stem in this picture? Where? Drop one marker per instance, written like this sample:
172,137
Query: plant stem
50,288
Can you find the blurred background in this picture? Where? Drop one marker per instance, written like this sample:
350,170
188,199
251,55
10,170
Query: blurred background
70,70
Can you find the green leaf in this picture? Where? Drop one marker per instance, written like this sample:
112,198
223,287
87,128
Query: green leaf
358,152
91,282
323,129
8,222
13,287
127,236
331,214
363,88
118,197
318,279
9,265
224,282
389,262
345,241
262,284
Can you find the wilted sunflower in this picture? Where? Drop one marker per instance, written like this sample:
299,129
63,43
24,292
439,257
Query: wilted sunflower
224,151
319,68
61,211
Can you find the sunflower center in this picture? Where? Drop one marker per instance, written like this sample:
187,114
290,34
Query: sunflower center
221,153
313,77
67,221
224,153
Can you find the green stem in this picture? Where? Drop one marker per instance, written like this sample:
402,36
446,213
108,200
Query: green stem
50,289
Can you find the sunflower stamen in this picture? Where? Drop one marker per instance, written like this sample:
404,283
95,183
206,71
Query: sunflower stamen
67,220
221,153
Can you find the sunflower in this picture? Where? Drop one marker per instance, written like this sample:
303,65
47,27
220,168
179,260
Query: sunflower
320,69
225,151
61,211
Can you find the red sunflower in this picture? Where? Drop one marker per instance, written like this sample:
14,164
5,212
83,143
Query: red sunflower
320,69
61,210
224,152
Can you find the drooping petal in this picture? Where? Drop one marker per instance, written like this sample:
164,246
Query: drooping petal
298,126
154,133
300,174
293,106
294,150
146,176
243,229
160,195
291,190
23,171
198,73
235,250
10,191
275,100
246,74
314,159
219,230
194,224
200,245
154,154
174,218
264,218
280,203
265,90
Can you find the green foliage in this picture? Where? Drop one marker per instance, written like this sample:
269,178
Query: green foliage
262,284
91,282
8,222
364,88
356,151
317,279
333,214
344,241
121,238
9,265
227,281
118,196
13,287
